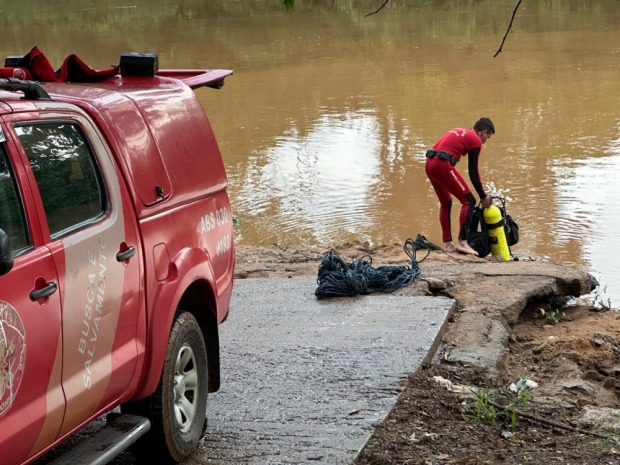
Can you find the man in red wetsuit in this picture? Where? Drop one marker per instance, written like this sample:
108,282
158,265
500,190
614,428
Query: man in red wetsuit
447,181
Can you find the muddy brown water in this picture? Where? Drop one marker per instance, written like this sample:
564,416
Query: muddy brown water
324,124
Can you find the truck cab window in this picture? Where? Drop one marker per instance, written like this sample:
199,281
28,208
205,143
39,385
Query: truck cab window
68,179
11,210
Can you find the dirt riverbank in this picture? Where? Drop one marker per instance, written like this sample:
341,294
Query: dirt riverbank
510,321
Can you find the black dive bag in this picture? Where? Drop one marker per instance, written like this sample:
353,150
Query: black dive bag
477,235
511,228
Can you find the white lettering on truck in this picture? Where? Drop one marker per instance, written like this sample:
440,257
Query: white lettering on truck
93,309
212,221
223,244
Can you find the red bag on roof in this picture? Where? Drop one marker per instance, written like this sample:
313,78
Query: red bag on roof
73,69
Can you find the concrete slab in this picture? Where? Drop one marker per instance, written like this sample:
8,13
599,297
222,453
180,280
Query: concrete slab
305,380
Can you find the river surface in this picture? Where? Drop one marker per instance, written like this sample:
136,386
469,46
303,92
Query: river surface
324,124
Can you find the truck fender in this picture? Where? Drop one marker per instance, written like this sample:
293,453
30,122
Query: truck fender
189,266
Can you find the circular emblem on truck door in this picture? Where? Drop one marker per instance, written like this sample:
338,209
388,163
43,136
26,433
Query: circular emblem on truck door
12,355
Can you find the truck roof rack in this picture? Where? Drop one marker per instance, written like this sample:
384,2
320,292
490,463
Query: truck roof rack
134,64
32,90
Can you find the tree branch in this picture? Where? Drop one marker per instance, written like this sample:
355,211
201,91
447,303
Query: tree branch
379,9
508,30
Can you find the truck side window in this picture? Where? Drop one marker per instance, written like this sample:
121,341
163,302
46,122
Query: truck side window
11,211
68,180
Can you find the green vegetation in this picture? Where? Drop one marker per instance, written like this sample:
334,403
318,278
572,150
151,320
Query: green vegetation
489,412
553,316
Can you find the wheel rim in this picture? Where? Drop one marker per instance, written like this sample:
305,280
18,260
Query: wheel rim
185,386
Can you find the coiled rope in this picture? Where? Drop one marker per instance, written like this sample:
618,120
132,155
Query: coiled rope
339,279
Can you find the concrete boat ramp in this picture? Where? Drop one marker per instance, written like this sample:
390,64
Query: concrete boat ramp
305,380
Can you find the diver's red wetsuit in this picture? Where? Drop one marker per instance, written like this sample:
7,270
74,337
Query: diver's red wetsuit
448,182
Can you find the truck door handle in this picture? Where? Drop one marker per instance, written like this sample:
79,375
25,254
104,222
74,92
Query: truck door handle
126,254
45,291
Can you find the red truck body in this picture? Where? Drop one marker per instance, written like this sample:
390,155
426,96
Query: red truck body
118,219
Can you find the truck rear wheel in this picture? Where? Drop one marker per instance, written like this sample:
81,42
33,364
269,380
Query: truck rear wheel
178,407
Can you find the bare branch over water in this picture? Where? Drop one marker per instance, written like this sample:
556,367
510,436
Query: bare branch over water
378,9
508,30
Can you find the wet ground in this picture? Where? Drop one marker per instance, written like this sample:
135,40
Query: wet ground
306,380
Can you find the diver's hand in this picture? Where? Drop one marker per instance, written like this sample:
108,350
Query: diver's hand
485,201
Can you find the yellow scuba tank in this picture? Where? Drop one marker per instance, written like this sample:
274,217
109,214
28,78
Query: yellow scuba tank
495,230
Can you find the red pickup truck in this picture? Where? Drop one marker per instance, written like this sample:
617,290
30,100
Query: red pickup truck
116,263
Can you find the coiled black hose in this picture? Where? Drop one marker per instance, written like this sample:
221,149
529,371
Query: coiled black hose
339,279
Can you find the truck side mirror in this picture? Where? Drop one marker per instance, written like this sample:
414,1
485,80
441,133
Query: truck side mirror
6,254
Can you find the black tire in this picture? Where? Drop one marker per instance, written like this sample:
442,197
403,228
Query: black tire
178,407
